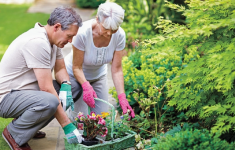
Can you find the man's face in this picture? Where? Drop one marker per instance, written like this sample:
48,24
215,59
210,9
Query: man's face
62,37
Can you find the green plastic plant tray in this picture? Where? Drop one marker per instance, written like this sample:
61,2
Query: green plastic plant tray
114,144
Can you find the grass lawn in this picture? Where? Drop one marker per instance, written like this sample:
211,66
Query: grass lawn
14,21
3,123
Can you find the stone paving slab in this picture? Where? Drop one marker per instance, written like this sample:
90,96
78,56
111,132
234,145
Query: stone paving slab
47,143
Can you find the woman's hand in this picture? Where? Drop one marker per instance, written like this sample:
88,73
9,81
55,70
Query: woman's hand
89,94
125,105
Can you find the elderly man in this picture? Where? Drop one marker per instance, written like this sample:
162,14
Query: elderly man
27,92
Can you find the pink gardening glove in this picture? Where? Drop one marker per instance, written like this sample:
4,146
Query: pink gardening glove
125,105
89,94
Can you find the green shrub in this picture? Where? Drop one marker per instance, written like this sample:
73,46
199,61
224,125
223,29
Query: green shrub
202,53
146,73
136,31
205,87
192,140
141,16
89,3
180,128
203,84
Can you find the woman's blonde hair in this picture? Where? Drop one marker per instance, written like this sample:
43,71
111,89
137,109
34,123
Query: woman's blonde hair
111,15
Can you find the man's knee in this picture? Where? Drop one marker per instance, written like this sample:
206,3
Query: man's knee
53,102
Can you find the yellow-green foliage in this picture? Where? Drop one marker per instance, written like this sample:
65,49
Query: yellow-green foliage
198,58
155,70
205,88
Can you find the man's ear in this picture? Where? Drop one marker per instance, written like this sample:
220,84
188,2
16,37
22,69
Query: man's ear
57,26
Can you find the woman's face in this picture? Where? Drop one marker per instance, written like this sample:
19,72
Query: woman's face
106,32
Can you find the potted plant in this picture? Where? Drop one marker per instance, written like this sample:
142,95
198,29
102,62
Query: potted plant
92,125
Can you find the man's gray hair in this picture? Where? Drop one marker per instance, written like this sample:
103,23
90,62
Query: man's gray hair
111,15
66,16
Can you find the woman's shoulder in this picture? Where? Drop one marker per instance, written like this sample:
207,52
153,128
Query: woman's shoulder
86,26
120,33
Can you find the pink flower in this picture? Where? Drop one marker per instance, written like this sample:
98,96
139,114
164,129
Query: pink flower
95,124
93,113
101,121
91,117
80,114
80,126
105,131
133,44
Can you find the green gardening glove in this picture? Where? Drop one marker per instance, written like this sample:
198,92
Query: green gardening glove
72,134
65,96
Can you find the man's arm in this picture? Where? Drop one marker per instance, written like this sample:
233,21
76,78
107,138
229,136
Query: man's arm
44,78
60,71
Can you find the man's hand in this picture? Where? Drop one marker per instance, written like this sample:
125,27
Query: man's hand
65,96
72,134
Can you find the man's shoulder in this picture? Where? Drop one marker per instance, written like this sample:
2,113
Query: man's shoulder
37,37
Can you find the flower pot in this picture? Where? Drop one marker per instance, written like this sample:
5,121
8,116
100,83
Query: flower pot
91,142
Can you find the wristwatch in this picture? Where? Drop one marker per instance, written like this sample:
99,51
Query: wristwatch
66,82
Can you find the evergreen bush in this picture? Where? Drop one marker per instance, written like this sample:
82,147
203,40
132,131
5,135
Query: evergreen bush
89,3
205,87
192,140
198,58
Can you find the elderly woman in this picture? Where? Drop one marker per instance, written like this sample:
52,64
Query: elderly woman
98,42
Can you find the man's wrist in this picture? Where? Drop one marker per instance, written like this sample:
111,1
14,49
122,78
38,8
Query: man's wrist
69,128
66,82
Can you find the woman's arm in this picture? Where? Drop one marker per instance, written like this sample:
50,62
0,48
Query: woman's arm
78,57
117,73
118,80
88,91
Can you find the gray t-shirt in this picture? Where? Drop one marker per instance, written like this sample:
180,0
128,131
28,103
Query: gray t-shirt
31,49
95,58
